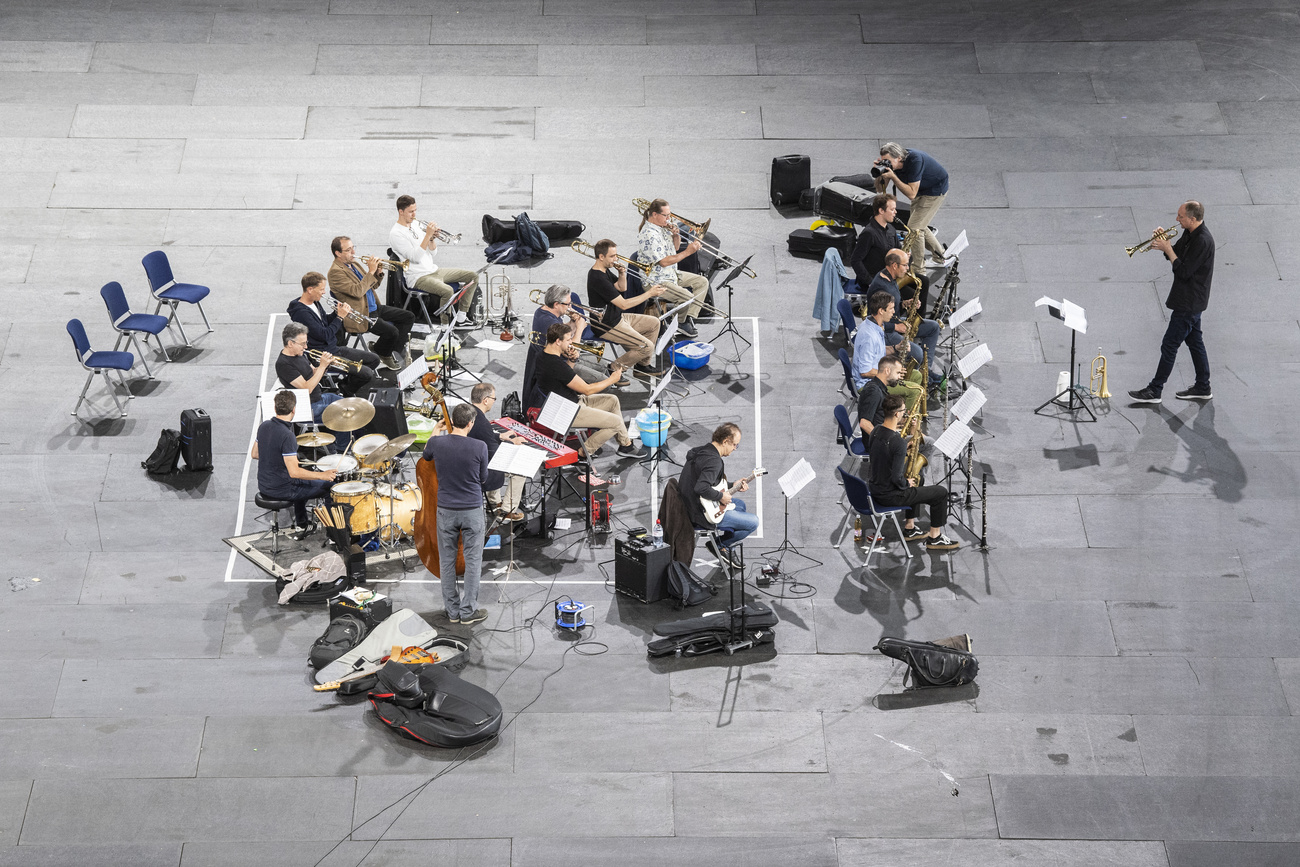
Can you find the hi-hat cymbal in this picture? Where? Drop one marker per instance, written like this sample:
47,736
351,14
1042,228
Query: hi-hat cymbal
315,439
350,413
389,450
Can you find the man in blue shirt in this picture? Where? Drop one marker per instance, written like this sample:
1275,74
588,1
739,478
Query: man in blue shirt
278,474
462,465
918,176
869,343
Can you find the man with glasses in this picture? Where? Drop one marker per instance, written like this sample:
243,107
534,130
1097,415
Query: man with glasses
294,370
658,240
354,285
557,309
503,492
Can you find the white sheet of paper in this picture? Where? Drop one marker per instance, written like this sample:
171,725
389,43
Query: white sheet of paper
968,310
959,243
660,386
517,460
796,478
974,360
953,440
1053,306
557,413
969,404
495,344
1074,316
418,367
301,410
670,330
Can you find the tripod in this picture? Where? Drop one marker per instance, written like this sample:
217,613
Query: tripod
1073,393
730,326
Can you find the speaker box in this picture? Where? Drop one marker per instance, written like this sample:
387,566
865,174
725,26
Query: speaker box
641,571
389,418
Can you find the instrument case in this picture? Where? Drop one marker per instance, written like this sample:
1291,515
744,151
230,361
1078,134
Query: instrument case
791,175
196,439
433,705
496,231
843,201
814,244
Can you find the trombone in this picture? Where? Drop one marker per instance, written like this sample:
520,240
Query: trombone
1145,246
336,361
356,317
698,230
442,234
587,249
536,338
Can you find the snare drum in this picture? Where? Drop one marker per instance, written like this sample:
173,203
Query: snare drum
361,497
367,444
403,501
344,466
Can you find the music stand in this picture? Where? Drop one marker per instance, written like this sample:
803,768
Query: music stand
660,453
1073,317
791,484
730,326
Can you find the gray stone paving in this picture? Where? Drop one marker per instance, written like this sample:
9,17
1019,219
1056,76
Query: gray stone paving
1135,618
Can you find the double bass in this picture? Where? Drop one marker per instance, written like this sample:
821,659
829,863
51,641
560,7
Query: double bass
426,519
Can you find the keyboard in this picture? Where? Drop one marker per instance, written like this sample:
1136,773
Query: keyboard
561,455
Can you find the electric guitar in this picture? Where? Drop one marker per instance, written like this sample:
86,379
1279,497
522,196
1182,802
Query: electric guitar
713,509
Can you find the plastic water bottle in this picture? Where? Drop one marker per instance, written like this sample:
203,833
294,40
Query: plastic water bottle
857,529
658,536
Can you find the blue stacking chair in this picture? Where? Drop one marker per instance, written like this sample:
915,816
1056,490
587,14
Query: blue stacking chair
853,444
846,362
99,362
128,324
848,321
859,496
167,291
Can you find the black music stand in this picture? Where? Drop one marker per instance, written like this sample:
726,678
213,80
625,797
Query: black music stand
791,485
1073,394
730,326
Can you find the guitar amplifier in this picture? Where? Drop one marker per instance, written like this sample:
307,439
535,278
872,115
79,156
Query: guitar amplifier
390,419
641,571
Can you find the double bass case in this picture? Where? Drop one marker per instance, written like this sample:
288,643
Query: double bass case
431,704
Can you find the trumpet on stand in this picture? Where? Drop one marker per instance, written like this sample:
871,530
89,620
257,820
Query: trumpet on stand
1098,385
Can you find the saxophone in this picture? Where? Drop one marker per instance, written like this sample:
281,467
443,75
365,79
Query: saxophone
909,280
915,462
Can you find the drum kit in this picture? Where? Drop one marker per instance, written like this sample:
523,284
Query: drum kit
364,473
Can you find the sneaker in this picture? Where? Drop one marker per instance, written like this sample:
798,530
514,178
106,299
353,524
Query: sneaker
649,371
396,361
452,618
730,558
299,533
633,450
941,543
913,534
516,515
477,617
1144,395
686,328
1195,394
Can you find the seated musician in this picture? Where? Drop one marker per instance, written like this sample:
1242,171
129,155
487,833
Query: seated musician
890,486
557,307
869,343
461,463
871,399
294,370
878,237
658,240
325,332
278,474
420,245
607,287
927,334
503,491
700,478
595,410
350,283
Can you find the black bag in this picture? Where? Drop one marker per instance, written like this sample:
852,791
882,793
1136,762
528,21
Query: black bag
843,202
750,627
316,594
196,439
791,175
495,231
433,705
344,633
166,455
395,286
507,253
806,199
814,244
686,587
527,234
929,664
513,408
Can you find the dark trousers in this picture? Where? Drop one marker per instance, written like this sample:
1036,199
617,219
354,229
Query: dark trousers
355,381
392,329
300,491
1183,328
934,496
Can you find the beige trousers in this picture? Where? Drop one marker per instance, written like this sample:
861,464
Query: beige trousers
688,286
923,210
437,284
637,333
601,411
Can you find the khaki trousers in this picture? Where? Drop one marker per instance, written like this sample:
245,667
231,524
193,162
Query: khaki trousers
637,333
687,287
923,210
601,411
436,284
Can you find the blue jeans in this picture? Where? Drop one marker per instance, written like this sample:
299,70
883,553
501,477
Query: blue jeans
927,335
452,525
343,438
1183,328
736,523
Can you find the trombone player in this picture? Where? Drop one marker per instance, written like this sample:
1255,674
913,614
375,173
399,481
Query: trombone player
348,282
607,288
418,243
658,240
1192,260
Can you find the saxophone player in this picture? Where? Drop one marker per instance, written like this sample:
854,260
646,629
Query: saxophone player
890,485
927,332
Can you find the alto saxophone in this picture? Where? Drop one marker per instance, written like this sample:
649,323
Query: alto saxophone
915,462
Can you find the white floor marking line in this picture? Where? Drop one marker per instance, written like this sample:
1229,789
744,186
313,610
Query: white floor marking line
931,762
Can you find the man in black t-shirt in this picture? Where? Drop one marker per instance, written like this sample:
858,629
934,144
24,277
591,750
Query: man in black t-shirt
878,237
595,410
871,399
607,287
891,487
278,474
295,370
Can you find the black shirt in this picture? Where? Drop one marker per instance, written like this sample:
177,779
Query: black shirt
888,452
704,469
322,328
484,432
1193,270
554,375
871,401
275,441
868,258
290,367
601,292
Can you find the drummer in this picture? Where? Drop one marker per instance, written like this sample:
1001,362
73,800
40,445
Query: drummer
294,369
278,475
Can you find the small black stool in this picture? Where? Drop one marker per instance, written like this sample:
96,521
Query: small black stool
273,507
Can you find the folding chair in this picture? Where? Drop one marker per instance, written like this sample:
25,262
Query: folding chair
847,363
859,495
853,444
99,362
166,290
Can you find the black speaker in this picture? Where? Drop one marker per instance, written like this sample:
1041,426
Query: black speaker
641,571
389,418
196,439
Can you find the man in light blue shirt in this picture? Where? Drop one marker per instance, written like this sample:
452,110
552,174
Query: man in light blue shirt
869,343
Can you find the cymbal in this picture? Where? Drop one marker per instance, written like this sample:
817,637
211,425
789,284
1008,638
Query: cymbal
389,450
350,413
315,439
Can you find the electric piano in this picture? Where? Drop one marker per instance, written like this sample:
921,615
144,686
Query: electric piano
561,455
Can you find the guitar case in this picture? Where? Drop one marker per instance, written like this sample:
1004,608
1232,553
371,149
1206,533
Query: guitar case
404,628
715,631
431,704
449,651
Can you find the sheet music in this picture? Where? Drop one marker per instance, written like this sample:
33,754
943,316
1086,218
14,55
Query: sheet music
961,242
969,404
557,414
796,478
670,330
974,360
413,371
301,410
968,310
517,460
660,386
1074,316
953,440
1053,306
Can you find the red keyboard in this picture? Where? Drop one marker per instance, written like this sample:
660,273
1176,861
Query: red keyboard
561,455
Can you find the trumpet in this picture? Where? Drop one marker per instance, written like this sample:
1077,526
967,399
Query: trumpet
698,230
536,338
383,263
356,317
1145,246
442,234
336,361
1098,386
587,249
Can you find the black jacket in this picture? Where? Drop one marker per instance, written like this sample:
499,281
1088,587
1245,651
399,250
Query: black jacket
676,524
703,470
1193,270
322,331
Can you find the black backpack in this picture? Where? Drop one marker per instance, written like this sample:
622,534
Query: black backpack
513,408
685,587
344,633
930,664
166,455
528,234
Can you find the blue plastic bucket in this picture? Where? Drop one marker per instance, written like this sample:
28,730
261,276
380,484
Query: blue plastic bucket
691,354
653,425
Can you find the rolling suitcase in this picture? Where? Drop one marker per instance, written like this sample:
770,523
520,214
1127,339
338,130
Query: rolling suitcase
814,244
791,175
196,439
843,202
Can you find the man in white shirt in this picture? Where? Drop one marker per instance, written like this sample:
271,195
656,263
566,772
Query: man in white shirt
408,241
657,243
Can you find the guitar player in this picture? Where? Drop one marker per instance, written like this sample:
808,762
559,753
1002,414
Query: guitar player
704,478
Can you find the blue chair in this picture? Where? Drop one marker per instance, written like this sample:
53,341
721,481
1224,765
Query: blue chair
853,444
128,324
99,362
588,335
847,363
167,291
848,322
860,500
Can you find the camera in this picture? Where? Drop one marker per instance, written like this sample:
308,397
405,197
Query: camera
880,166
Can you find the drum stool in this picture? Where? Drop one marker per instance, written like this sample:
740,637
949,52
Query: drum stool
273,508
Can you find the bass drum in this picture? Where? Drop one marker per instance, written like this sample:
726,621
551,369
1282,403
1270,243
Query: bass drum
361,497
398,505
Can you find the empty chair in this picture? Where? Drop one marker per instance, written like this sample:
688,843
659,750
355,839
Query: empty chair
128,324
167,291
846,362
853,444
848,322
859,496
98,362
